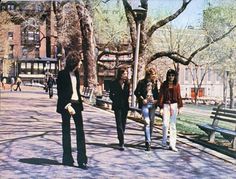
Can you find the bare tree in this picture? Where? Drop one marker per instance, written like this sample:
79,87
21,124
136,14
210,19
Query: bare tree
146,34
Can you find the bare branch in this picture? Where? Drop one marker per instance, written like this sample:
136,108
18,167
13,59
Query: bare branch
176,57
168,19
210,43
117,53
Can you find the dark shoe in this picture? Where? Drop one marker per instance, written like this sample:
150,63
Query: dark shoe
68,163
148,146
83,166
121,147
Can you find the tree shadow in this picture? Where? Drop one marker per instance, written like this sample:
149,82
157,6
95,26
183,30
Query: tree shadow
39,161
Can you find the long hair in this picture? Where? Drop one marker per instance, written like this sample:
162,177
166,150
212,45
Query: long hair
172,72
149,72
120,72
72,60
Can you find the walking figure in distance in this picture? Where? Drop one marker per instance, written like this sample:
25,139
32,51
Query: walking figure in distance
4,82
170,103
119,94
70,105
147,95
18,83
50,83
12,82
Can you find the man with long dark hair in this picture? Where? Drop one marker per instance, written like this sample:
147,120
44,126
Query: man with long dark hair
170,102
70,105
119,94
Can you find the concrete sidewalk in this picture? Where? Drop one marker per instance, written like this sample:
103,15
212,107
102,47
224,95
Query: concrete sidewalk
30,145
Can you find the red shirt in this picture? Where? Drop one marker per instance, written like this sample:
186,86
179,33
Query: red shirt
170,95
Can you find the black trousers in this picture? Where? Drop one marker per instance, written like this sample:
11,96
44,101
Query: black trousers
50,92
80,137
121,118
18,86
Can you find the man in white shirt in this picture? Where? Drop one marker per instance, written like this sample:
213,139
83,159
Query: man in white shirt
70,105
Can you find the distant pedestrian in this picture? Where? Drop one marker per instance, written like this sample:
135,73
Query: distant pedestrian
147,95
50,83
70,105
170,103
119,94
4,82
18,83
12,82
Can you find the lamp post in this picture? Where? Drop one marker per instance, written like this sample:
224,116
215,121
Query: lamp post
140,16
59,56
226,86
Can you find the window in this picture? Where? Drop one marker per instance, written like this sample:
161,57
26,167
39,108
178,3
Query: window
28,68
11,47
10,55
23,68
36,52
40,68
10,7
35,67
10,35
24,52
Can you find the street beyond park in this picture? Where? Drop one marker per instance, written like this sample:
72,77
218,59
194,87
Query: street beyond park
31,146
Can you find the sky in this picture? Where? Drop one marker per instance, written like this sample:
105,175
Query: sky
192,16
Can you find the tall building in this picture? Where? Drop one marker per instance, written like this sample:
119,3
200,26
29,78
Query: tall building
27,48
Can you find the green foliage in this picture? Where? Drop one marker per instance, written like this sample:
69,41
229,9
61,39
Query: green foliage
110,23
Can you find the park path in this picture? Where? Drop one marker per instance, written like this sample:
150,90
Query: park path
30,145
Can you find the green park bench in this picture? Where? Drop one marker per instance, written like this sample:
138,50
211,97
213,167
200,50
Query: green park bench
221,115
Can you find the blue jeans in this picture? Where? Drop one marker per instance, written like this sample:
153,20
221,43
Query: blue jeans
148,112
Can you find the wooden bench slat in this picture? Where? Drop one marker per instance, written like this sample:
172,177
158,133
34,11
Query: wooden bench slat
223,119
227,111
225,115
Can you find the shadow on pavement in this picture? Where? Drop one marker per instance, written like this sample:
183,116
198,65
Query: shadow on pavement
40,161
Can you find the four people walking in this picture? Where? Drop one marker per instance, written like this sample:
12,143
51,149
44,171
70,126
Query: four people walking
70,105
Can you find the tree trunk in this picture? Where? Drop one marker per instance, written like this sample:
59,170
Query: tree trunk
231,92
88,47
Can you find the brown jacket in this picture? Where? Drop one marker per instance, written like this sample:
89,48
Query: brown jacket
164,96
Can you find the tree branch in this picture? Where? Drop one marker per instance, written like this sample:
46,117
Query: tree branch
117,53
176,57
168,19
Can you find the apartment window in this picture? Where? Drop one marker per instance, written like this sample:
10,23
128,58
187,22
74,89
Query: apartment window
40,68
10,35
35,71
11,47
24,52
23,68
36,52
10,7
28,68
10,55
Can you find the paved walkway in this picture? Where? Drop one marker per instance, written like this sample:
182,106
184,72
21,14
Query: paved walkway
30,145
